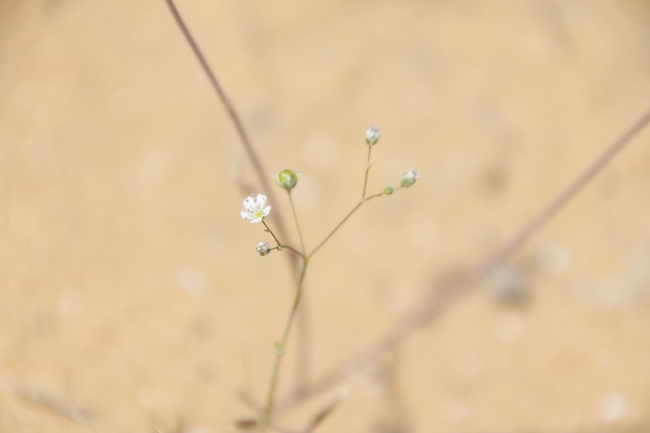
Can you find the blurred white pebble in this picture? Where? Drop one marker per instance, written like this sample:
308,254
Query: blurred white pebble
509,327
552,258
191,279
509,284
612,407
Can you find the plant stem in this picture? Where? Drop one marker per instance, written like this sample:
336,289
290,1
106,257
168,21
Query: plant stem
365,181
230,109
279,353
295,217
280,246
437,305
272,234
354,209
292,249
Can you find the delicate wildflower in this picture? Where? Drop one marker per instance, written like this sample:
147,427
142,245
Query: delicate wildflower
254,209
409,178
388,190
372,135
263,248
286,179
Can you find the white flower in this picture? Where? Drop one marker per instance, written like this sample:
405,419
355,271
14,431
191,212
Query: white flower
263,248
254,209
409,178
372,135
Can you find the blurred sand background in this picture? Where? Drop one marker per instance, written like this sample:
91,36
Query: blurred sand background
131,296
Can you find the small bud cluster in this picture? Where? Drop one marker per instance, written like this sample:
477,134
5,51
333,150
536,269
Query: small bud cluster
255,209
263,248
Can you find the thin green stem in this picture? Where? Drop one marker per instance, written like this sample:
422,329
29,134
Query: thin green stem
365,181
279,353
379,194
295,217
354,209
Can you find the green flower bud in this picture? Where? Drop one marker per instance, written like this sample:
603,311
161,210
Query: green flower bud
388,190
409,178
286,179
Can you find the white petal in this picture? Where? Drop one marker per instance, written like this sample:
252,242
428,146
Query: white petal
266,210
249,203
261,201
256,220
244,215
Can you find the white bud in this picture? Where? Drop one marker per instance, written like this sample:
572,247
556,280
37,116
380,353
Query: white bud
409,178
263,248
372,135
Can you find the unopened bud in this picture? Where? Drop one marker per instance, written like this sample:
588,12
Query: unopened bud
263,248
286,179
409,178
388,190
372,135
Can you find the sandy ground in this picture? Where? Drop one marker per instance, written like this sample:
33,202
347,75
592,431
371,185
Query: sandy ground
131,296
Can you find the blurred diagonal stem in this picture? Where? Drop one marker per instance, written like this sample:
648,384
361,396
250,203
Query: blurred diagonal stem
234,117
304,336
432,308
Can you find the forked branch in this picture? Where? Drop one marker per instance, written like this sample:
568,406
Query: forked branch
415,320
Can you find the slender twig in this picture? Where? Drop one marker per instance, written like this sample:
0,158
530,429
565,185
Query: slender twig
379,194
295,217
279,353
338,226
292,249
272,234
414,321
354,209
365,180
234,117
